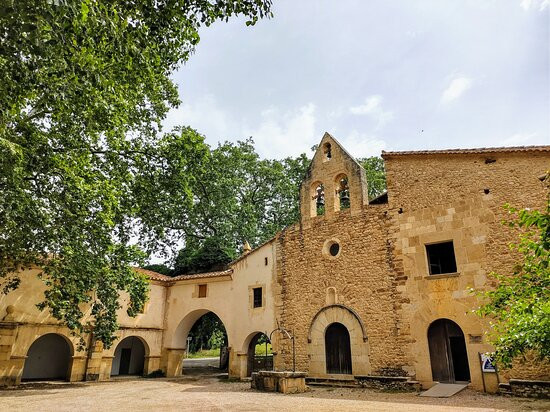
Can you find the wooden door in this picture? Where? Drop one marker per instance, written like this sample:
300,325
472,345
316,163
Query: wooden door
338,349
448,355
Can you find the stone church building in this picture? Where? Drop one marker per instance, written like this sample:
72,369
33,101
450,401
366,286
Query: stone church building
377,287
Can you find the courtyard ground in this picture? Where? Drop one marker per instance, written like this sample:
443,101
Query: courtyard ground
209,393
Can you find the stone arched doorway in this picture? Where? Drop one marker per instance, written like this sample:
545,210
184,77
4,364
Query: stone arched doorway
259,354
355,353
448,355
338,349
129,358
48,358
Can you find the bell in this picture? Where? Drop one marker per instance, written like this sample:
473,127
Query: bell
320,201
344,199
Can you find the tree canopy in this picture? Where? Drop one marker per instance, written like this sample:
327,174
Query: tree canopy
87,176
237,197
519,306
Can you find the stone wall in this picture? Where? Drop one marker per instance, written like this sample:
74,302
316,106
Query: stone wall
360,277
458,197
381,272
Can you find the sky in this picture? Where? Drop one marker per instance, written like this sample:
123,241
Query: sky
377,75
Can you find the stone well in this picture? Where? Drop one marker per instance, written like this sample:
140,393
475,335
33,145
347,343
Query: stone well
283,382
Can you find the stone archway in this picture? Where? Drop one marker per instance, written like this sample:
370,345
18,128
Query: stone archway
358,342
49,358
179,342
448,355
254,361
129,357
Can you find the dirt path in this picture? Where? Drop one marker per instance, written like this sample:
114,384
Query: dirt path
211,394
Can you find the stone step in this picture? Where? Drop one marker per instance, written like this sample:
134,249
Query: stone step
504,389
333,382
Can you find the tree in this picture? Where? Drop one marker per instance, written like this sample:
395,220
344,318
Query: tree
376,175
519,306
87,178
208,332
238,197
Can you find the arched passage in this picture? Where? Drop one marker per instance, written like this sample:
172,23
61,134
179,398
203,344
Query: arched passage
448,355
337,349
259,354
202,333
48,358
129,358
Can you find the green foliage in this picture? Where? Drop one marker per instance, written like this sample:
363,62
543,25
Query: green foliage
238,197
376,175
519,306
260,349
208,332
209,255
88,180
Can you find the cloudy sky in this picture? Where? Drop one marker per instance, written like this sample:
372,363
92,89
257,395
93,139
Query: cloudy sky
378,75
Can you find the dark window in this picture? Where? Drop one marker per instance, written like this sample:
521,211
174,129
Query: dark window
202,291
441,258
266,261
334,249
328,151
257,297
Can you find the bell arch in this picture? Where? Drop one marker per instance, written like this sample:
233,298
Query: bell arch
358,341
317,193
342,199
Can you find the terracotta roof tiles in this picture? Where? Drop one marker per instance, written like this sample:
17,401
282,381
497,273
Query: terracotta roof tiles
470,151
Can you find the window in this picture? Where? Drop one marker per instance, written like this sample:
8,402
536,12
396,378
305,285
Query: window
318,199
202,291
327,150
265,261
334,249
441,258
257,297
342,193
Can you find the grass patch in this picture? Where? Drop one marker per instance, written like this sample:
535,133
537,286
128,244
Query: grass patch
260,349
205,353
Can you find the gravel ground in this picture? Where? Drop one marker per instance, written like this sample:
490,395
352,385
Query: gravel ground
207,393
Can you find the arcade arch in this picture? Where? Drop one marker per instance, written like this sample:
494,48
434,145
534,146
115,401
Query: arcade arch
49,358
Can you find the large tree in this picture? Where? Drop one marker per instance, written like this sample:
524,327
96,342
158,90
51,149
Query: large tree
87,178
519,306
238,197
376,175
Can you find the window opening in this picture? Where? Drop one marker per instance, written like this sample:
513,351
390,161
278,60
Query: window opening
319,199
257,297
202,291
441,258
265,261
327,149
334,249
343,192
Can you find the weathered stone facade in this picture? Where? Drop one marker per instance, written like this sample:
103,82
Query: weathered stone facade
381,272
